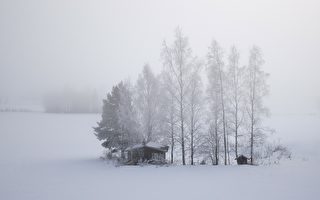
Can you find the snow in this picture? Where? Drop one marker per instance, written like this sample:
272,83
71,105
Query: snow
149,144
55,156
154,145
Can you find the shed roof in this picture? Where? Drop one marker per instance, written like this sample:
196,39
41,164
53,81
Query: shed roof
241,157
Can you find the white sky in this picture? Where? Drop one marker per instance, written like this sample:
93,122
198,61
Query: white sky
96,43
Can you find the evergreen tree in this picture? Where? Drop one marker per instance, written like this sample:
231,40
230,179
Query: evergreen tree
117,127
108,129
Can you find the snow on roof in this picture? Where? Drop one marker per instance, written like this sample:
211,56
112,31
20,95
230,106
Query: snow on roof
152,145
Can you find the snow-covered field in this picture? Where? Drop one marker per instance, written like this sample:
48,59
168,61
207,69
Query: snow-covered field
55,156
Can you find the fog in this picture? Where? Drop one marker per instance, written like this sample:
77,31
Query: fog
48,45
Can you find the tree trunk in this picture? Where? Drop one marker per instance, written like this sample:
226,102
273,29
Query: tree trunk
182,133
182,142
228,150
224,130
192,134
172,143
252,128
217,143
182,126
251,141
192,150
223,116
236,132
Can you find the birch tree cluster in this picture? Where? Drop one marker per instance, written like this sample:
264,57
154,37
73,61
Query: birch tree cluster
207,110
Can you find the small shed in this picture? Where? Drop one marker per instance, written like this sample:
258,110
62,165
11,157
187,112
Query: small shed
242,160
146,152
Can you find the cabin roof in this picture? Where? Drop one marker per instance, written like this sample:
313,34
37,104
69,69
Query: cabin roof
151,145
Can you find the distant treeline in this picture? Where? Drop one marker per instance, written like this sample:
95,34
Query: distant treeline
18,105
69,100
15,110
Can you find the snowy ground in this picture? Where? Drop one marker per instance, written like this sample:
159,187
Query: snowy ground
54,156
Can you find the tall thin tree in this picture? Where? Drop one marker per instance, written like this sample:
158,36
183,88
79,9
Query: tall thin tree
195,102
236,89
257,89
214,114
176,60
215,62
168,112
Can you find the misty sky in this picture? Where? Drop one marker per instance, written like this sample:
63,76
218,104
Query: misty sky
46,45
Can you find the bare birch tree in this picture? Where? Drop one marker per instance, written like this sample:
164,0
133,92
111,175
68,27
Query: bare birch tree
236,99
195,104
214,114
168,112
177,64
257,89
216,65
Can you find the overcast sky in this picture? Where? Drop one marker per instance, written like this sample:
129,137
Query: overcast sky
95,43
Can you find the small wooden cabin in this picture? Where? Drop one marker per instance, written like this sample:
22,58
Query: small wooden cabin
146,152
242,160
